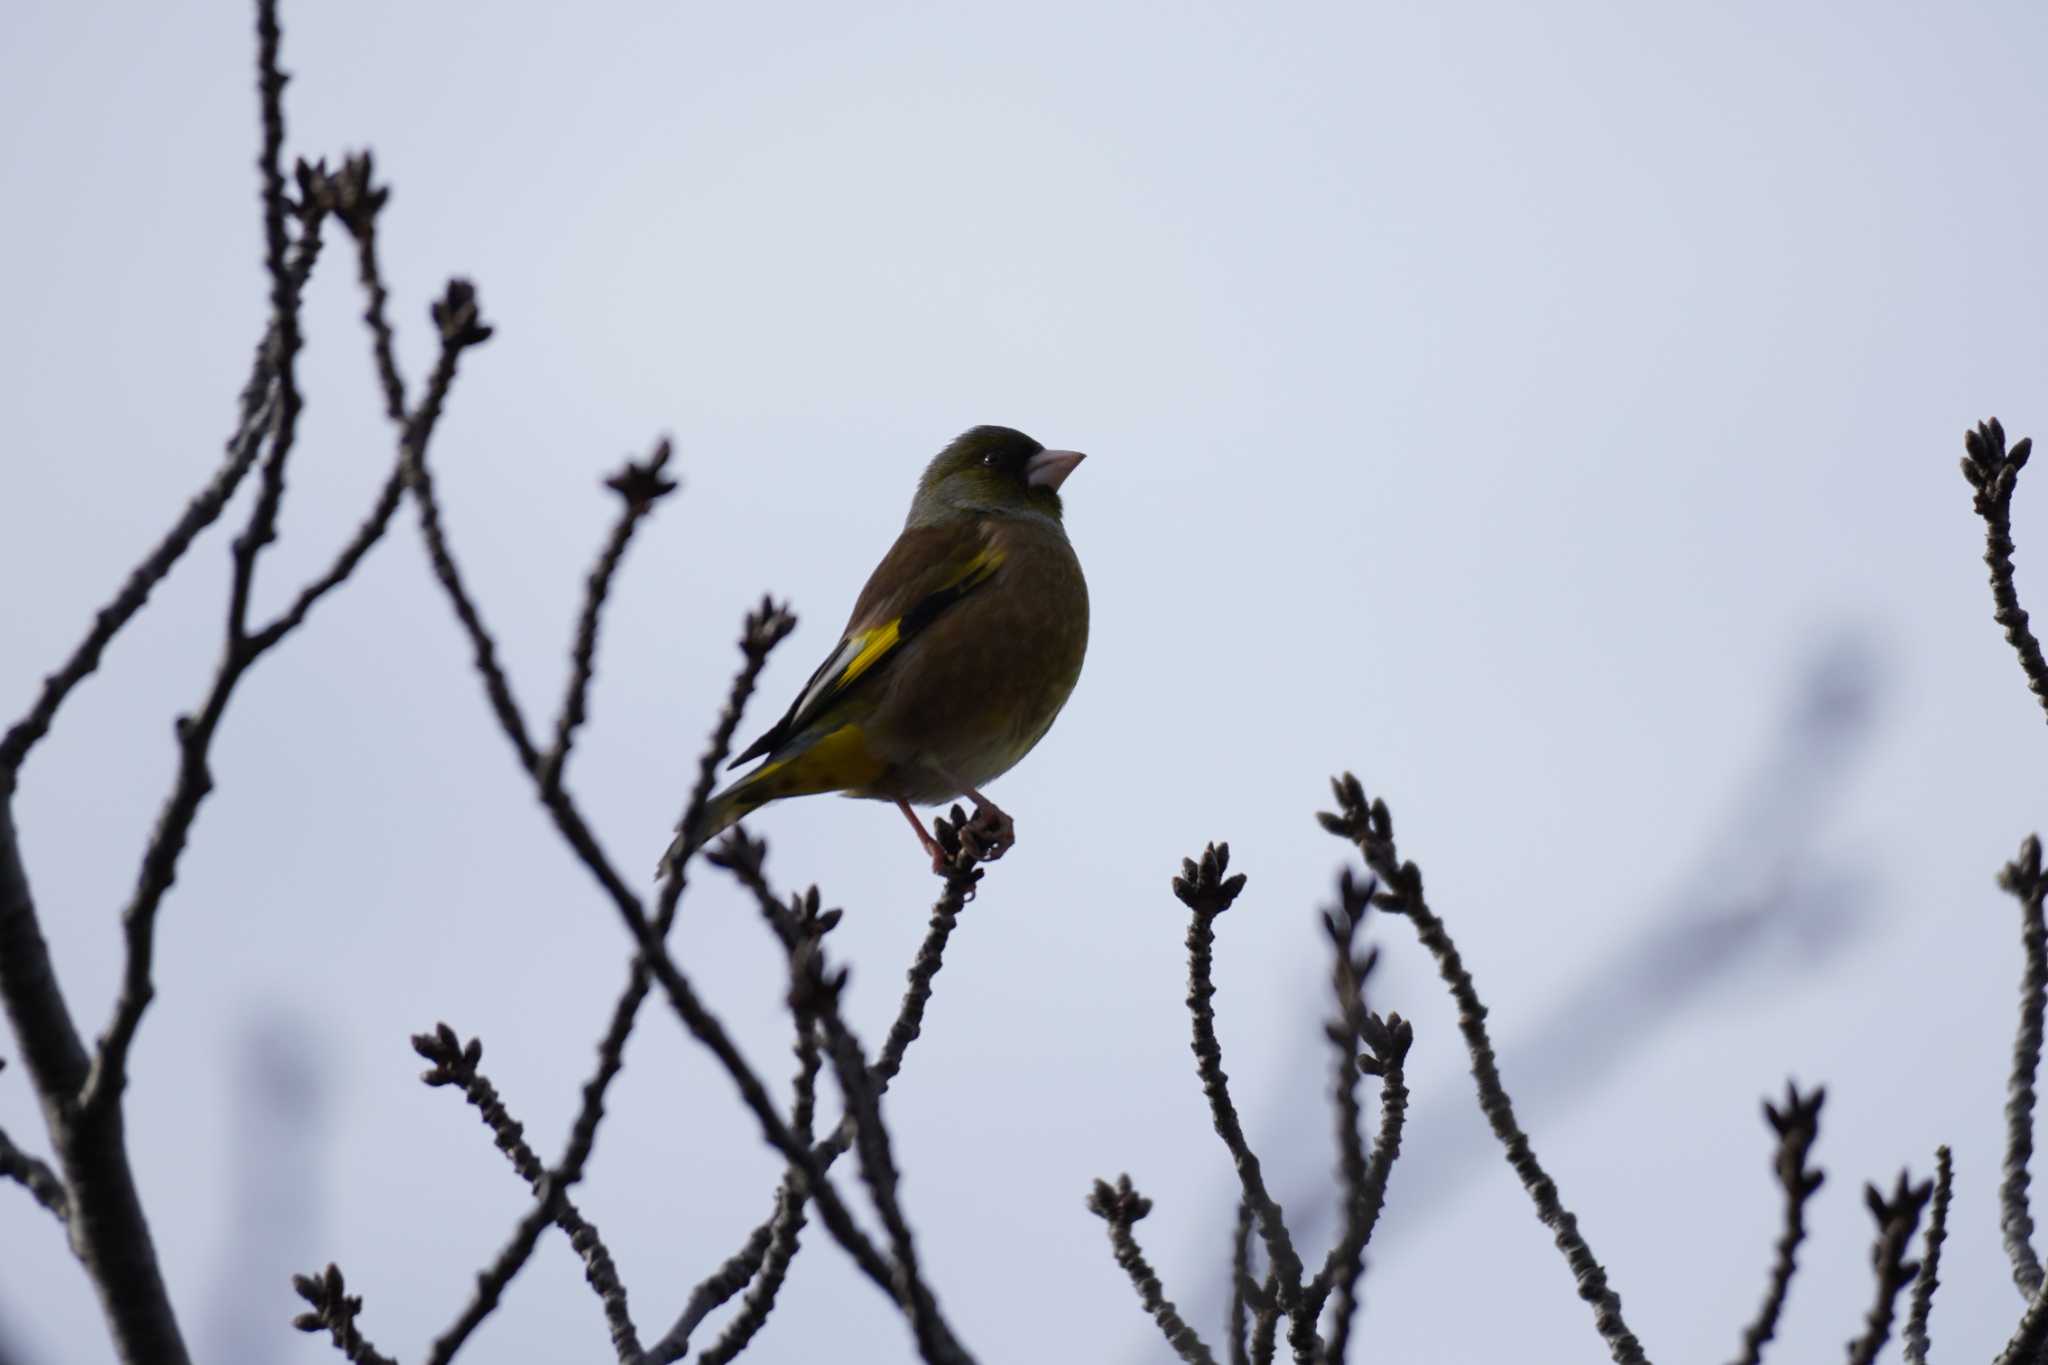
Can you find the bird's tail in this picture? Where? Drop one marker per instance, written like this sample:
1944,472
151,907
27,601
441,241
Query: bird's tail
721,813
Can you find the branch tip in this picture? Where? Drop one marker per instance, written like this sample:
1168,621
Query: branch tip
1202,887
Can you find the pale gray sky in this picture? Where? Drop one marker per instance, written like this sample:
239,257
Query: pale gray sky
1505,402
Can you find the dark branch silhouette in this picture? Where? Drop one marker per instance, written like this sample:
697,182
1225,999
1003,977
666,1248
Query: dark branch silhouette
1914,1339
1797,1124
1371,828
334,1310
1993,471
2021,878
456,1063
1898,1217
1120,1207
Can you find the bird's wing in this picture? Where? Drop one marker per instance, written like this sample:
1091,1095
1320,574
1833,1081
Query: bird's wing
927,570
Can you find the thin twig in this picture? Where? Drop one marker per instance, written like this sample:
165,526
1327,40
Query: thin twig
458,314
334,1311
256,418
1207,893
779,1248
736,1273
1389,1040
1363,1183
1266,1321
2021,878
738,853
461,326
1120,1207
766,626
357,200
1797,1125
2030,1338
457,1064
814,999
1914,1339
284,311
1897,1217
491,1281
815,993
639,485
1371,827
1241,1286
345,561
201,512
35,1175
1993,471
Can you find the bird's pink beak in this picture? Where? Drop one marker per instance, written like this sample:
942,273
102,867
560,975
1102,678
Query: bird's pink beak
1049,468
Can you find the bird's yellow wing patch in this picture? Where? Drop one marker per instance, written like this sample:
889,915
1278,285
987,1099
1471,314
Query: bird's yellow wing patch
872,645
860,652
892,622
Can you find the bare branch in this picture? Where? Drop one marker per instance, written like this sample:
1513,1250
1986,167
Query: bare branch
736,1273
33,1174
1121,1206
358,200
766,626
1797,1125
490,1285
1364,1183
742,855
1915,1336
455,1063
334,1311
195,733
1207,893
1241,1285
1389,1040
814,994
1371,828
639,486
778,1248
2021,878
258,410
203,510
2030,1338
351,554
1266,1321
461,326
1993,471
1898,1217
458,314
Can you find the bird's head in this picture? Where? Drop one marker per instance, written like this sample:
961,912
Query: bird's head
993,469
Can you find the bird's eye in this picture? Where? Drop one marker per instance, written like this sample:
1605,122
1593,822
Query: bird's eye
989,459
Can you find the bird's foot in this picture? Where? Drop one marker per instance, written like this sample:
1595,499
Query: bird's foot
982,837
967,841
991,832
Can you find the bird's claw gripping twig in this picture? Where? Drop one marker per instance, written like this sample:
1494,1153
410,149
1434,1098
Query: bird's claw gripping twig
965,841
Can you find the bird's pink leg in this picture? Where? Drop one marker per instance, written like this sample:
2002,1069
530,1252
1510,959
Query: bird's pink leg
984,806
931,845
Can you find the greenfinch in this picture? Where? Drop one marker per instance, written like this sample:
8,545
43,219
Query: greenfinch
960,652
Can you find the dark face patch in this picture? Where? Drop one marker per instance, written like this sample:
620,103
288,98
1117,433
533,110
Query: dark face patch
986,468
1002,451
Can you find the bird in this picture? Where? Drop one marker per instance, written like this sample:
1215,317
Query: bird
956,659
